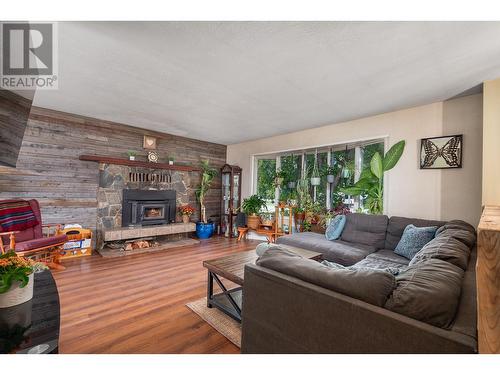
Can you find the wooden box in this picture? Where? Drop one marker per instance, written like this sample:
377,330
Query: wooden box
79,243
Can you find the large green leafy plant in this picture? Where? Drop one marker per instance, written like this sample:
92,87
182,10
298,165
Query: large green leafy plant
370,183
253,204
207,176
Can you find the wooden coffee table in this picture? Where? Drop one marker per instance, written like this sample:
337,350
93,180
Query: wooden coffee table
232,267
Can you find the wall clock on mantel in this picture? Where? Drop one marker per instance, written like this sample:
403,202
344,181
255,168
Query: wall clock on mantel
153,157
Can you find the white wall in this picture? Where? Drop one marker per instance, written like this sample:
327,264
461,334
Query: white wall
410,191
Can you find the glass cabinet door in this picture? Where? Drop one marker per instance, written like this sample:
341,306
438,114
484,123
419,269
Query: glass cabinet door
236,191
226,191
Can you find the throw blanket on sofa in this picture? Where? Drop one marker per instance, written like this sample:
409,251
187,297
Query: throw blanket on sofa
16,215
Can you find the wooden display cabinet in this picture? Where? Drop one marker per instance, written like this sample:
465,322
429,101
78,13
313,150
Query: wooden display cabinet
231,199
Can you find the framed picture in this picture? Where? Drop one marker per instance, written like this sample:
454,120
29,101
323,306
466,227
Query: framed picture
149,143
441,152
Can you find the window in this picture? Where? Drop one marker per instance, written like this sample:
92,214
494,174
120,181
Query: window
347,160
266,168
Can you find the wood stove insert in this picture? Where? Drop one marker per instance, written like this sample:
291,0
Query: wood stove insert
148,207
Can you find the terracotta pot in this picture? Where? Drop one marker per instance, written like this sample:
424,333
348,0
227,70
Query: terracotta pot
185,219
300,216
253,221
16,295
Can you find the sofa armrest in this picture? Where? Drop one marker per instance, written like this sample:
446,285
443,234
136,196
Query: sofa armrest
282,314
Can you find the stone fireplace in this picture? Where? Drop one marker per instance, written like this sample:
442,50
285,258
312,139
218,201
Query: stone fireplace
165,189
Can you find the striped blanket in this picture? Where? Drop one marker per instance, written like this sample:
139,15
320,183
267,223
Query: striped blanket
16,215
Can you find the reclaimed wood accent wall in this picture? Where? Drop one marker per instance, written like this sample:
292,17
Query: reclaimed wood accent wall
14,113
488,281
49,169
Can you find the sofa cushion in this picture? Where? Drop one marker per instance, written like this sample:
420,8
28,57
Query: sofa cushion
40,242
335,228
460,230
337,251
365,229
390,256
428,291
446,248
397,225
384,260
413,240
372,286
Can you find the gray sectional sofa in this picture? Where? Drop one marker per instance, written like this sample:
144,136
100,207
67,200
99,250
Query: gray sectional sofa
379,303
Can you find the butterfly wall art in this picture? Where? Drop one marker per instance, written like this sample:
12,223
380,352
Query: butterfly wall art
441,152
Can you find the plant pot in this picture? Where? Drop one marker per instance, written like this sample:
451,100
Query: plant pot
132,158
299,216
204,230
185,219
170,162
17,295
267,223
330,178
315,181
253,221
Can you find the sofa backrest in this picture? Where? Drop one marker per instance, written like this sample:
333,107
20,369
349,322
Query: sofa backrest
397,225
365,229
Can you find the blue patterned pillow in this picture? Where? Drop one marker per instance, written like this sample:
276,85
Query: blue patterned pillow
413,240
335,228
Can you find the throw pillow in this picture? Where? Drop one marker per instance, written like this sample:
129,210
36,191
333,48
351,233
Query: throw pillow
335,228
413,240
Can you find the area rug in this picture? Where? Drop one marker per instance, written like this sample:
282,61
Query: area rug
222,323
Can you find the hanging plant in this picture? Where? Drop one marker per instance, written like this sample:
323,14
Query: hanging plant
315,177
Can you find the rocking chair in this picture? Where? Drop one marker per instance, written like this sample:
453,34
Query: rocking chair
31,242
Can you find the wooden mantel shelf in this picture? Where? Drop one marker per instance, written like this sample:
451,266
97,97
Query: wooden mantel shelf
136,163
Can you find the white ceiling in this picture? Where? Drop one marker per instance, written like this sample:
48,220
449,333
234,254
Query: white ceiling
229,82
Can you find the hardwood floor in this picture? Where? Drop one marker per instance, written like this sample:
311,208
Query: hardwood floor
136,304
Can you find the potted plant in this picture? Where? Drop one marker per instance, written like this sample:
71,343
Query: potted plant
330,173
251,206
186,211
315,177
204,229
16,279
171,159
370,183
131,154
283,197
280,176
